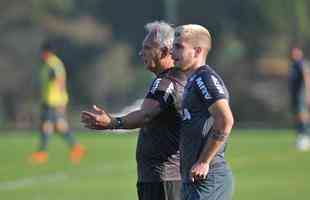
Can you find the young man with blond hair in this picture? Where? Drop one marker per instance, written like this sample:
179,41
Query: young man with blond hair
207,119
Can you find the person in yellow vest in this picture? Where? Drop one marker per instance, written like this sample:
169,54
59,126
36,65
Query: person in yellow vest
54,102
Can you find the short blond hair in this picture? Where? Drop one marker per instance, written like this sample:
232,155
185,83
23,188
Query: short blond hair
195,34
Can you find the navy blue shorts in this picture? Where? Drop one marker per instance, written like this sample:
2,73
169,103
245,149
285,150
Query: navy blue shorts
298,102
52,114
217,186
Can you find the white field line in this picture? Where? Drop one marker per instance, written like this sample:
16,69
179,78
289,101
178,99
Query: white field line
55,177
33,180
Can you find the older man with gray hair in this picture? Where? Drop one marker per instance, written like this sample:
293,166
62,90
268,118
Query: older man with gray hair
159,118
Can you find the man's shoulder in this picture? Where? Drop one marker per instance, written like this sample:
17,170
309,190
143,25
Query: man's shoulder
206,69
207,72
202,73
160,83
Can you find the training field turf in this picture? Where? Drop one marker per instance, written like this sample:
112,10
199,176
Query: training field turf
265,164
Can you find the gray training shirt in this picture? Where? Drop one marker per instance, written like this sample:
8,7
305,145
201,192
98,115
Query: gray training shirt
203,88
157,155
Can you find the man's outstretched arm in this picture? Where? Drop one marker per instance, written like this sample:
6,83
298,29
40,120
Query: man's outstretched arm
158,98
99,119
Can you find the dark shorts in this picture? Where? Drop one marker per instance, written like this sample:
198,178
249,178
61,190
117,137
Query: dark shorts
298,102
217,186
52,115
166,190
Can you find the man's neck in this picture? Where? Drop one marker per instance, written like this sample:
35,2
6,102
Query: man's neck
196,66
162,69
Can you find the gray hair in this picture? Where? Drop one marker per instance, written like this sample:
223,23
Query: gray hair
164,33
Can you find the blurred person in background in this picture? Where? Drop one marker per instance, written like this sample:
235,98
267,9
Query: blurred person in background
300,98
207,119
159,118
53,105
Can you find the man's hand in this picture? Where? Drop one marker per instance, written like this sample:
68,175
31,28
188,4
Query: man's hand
199,171
97,119
307,99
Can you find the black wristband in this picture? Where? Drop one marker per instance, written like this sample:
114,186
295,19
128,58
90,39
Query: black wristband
217,135
119,123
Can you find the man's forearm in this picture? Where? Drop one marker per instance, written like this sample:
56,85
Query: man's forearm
213,145
306,77
223,123
61,82
135,119
218,137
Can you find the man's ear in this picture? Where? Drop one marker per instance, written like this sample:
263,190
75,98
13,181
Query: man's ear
164,52
198,51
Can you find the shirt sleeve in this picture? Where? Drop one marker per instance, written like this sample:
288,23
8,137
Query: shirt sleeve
161,90
210,88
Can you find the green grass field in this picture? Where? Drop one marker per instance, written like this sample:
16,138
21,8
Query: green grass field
265,164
